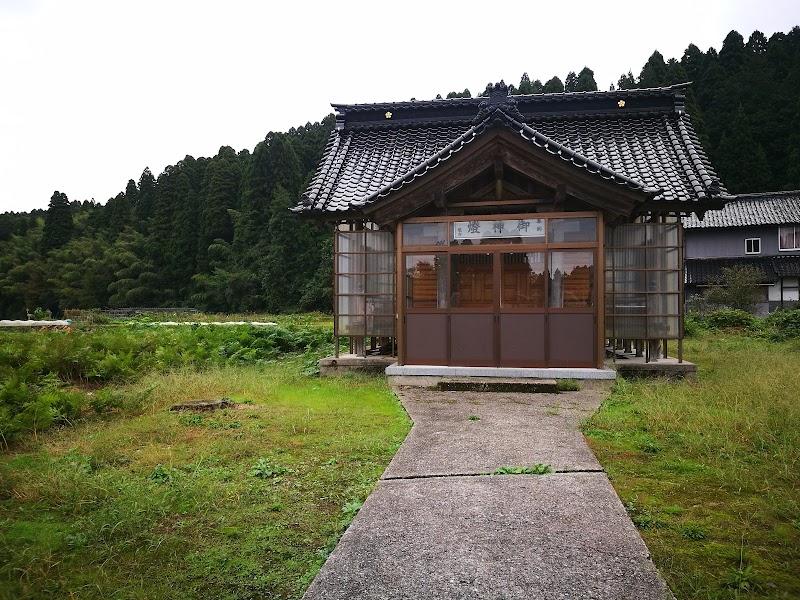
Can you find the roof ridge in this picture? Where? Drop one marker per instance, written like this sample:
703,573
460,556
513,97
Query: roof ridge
536,97
708,181
698,187
759,195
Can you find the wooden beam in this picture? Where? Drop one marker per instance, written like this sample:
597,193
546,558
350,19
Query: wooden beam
526,202
515,189
560,197
439,200
498,176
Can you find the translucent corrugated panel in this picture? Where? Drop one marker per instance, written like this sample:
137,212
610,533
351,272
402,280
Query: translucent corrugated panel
351,284
643,282
628,304
365,299
380,263
662,304
380,241
350,324
379,305
351,263
350,241
662,258
380,283
627,235
626,258
629,328
662,234
425,234
381,325
572,230
350,305
664,327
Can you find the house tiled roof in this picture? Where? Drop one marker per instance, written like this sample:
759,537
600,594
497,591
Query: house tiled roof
769,208
639,139
706,271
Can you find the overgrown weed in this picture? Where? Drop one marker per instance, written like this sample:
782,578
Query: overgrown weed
151,503
725,450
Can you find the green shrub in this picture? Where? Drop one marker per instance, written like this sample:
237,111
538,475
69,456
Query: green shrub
692,324
34,365
729,317
784,324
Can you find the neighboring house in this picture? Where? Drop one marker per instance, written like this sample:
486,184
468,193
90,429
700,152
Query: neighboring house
759,230
511,231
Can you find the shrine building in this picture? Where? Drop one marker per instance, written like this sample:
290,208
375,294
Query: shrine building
535,231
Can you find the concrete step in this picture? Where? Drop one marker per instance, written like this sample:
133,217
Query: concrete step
493,384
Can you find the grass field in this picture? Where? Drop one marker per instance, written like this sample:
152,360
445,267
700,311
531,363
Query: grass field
710,471
243,503
121,498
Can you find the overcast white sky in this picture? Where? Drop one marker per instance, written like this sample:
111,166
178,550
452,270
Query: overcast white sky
93,91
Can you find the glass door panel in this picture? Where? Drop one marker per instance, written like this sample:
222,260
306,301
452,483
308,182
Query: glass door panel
523,275
571,279
426,281
472,281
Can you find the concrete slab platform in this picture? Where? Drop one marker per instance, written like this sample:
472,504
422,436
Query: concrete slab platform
512,429
494,384
441,371
629,365
548,537
331,366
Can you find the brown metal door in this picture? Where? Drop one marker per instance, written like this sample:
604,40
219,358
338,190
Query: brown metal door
571,306
522,303
473,299
500,308
427,327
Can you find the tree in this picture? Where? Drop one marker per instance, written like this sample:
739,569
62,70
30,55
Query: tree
757,44
571,82
626,81
741,161
654,71
525,86
675,73
553,86
736,288
119,213
585,81
220,194
58,223
146,200
732,55
465,94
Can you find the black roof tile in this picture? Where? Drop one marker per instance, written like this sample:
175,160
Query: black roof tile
640,139
706,271
747,210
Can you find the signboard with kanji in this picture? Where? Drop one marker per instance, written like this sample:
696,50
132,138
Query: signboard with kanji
476,230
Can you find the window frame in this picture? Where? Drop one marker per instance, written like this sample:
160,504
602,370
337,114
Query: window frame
752,240
795,232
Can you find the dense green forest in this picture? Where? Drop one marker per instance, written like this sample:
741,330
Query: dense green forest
216,233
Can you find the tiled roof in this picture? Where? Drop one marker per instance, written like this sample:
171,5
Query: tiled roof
768,208
639,139
705,271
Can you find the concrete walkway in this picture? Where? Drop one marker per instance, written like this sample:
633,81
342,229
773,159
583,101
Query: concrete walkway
440,526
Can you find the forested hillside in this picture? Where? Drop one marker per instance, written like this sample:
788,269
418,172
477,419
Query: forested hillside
216,233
